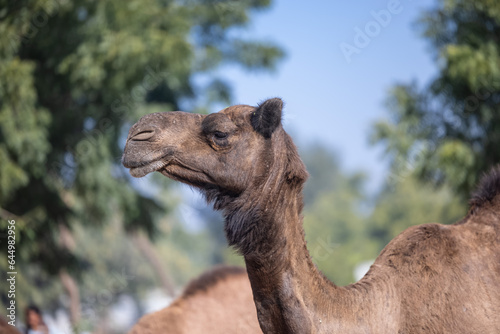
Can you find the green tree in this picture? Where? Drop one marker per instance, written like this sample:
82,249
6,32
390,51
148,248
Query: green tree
449,131
73,76
334,220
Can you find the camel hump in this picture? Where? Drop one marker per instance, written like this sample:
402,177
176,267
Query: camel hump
211,278
487,190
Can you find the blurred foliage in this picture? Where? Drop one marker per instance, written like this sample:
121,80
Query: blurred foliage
449,131
74,75
118,268
333,218
213,224
409,203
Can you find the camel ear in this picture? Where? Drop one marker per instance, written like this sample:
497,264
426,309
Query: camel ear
267,117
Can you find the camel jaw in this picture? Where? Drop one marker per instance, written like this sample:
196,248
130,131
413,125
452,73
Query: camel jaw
186,174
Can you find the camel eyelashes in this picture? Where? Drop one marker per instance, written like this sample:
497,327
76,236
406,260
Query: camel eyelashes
220,135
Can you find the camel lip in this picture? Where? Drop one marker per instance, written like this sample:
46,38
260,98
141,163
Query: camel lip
145,170
142,168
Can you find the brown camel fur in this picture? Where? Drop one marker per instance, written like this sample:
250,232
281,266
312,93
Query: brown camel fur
218,302
430,279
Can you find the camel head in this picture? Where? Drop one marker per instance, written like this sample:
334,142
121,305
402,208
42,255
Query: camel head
222,153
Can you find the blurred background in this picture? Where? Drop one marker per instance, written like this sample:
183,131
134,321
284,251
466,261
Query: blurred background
394,106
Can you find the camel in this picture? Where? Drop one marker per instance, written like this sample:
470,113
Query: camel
219,301
431,278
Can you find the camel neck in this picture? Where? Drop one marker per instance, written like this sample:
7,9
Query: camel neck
265,225
285,282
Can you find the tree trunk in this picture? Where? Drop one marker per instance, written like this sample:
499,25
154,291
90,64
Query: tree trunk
66,239
147,250
74,296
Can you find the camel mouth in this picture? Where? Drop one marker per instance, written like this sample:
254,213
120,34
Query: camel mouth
142,163
142,171
141,168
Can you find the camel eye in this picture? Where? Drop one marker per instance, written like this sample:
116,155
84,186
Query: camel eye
220,135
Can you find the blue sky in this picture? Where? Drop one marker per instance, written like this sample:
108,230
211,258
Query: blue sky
329,99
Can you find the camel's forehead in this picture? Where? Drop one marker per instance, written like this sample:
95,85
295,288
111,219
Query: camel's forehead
238,113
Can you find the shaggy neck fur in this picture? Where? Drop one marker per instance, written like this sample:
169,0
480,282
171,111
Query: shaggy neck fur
265,225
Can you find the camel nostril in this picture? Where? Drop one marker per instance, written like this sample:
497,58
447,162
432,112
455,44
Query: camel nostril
143,135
